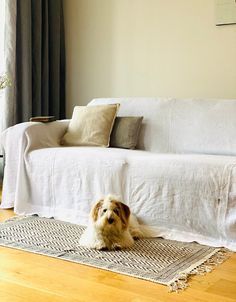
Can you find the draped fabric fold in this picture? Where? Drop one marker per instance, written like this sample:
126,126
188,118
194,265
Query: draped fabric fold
35,60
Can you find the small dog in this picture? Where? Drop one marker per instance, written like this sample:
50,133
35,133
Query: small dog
111,226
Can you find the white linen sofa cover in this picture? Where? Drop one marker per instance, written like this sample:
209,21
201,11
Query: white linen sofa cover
181,186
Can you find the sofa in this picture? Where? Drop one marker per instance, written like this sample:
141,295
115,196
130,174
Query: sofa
180,181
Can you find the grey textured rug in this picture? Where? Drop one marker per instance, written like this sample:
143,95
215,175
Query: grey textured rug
157,260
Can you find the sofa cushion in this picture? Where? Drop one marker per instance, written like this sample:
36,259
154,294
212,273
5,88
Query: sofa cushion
90,126
154,131
171,125
125,132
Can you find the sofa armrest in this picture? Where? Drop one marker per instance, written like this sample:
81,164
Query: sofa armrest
45,135
33,135
20,139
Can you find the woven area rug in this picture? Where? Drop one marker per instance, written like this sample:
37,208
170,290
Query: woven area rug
154,259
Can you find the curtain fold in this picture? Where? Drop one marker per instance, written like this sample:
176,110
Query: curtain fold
8,110
40,59
36,60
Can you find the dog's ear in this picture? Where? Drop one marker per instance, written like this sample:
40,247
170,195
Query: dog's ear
95,209
125,209
125,213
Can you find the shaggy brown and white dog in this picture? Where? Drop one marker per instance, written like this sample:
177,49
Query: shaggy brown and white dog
111,226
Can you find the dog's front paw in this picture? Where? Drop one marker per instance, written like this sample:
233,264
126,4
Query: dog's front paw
136,233
100,247
92,243
116,247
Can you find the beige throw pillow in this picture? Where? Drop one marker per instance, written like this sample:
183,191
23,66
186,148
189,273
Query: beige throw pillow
91,126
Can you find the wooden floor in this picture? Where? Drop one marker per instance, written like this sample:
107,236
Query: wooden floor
29,277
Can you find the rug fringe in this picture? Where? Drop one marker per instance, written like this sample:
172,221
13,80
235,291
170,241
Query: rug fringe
206,267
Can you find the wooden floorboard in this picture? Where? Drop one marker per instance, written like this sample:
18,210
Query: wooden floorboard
30,277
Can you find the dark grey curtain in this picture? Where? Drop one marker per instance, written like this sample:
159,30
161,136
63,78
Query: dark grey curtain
40,59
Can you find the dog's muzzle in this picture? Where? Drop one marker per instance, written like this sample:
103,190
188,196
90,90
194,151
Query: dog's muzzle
110,220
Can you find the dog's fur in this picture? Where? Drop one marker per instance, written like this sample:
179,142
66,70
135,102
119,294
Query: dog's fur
111,226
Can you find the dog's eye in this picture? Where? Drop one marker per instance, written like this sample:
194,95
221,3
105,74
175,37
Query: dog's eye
116,211
104,210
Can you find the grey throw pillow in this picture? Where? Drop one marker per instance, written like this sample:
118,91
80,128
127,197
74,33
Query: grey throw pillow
125,132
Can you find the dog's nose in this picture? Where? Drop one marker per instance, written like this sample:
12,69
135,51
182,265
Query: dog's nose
110,220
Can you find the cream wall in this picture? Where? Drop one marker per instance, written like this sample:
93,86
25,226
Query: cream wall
147,48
